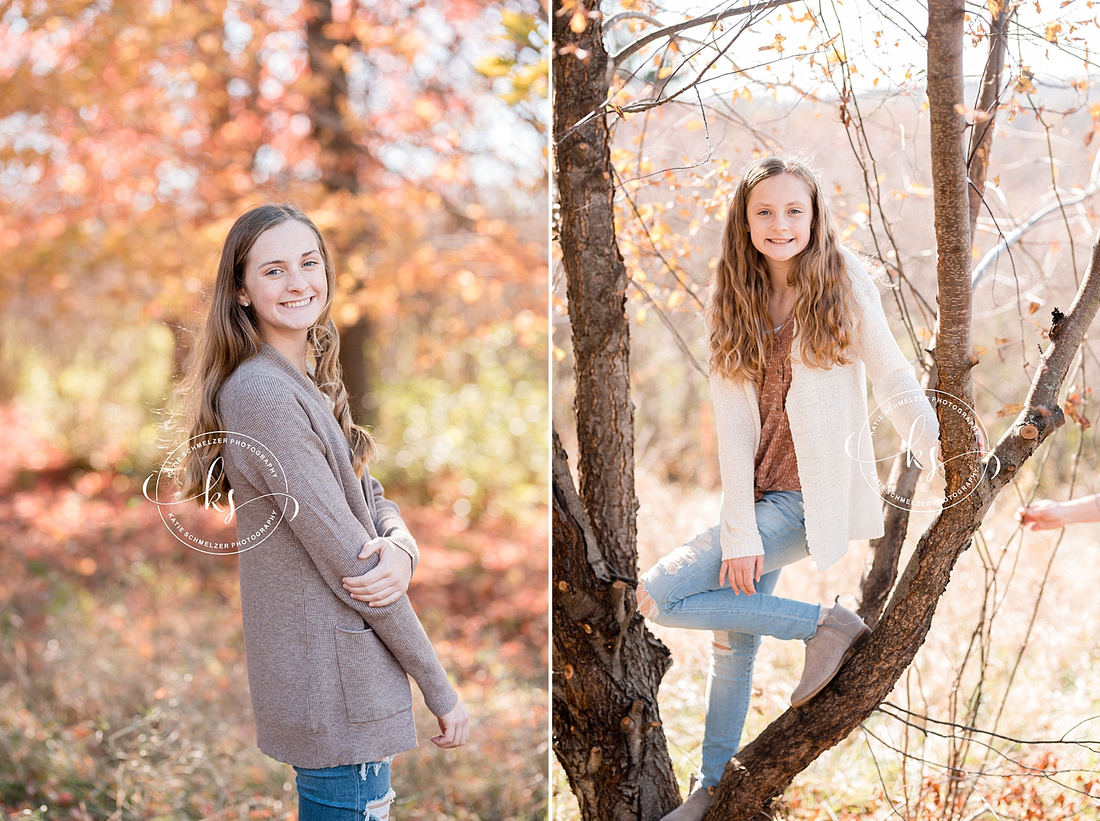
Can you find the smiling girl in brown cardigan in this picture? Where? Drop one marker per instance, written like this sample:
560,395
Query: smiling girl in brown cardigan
329,645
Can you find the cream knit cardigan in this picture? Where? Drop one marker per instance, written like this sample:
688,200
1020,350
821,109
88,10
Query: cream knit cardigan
825,407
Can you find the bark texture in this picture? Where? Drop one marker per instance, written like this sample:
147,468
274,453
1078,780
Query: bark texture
607,666
884,552
596,283
607,669
952,224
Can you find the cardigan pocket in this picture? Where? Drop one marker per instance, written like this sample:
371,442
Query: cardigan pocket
375,686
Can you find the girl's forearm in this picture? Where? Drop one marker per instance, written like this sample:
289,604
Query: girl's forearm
1084,509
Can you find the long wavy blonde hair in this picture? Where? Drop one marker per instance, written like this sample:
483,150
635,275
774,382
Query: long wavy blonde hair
231,336
737,311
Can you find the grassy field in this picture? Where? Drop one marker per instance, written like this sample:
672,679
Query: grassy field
1018,620
123,691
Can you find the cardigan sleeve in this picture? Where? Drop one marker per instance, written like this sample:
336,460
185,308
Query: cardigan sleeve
325,527
737,436
388,521
895,387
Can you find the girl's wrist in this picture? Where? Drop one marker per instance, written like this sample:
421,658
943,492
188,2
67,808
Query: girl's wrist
1087,509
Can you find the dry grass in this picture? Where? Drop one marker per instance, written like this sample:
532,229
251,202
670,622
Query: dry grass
123,689
1055,693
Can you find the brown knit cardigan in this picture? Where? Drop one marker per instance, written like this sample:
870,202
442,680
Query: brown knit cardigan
327,673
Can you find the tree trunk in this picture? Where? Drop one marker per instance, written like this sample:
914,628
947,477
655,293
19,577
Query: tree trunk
981,138
596,282
607,666
952,223
885,551
607,669
341,159
357,363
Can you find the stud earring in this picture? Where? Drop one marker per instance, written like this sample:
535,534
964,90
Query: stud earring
246,304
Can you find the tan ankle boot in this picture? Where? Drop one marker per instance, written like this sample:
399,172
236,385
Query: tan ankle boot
694,808
837,636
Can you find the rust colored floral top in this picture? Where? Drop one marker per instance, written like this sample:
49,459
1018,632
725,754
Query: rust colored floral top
776,467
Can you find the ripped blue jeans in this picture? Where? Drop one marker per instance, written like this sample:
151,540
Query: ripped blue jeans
682,590
351,792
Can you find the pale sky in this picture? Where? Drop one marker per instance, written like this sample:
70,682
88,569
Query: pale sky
901,46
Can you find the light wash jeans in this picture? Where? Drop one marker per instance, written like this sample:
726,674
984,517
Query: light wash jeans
683,591
350,792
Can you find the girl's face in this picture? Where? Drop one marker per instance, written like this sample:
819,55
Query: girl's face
780,213
284,279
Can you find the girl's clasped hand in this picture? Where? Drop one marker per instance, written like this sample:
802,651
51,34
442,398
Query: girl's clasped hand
387,581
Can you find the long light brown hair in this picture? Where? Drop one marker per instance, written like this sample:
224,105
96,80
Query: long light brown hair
737,312
231,336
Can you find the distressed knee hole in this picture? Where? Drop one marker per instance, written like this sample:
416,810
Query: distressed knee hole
646,606
720,646
379,808
679,559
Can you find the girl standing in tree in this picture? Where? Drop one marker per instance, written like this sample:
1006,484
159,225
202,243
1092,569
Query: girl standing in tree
794,324
330,636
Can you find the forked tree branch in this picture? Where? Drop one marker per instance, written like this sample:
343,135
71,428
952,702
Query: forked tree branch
885,551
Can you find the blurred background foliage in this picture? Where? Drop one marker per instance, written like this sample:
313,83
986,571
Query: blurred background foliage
478,439
132,134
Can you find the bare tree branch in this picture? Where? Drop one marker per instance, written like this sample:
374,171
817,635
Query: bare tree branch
685,349
981,137
1017,233
674,29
